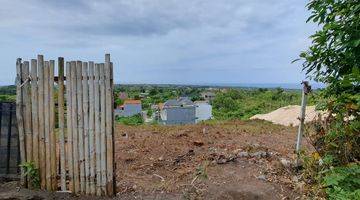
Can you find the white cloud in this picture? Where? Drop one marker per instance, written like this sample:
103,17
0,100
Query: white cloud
158,39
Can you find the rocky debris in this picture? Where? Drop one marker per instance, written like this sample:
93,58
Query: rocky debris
182,158
125,135
260,154
222,159
285,163
198,143
261,177
243,154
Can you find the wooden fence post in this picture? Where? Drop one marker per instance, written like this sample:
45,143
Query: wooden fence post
34,112
92,127
61,123
85,104
53,168
41,98
47,124
69,126
20,120
103,128
109,125
27,106
75,127
80,117
97,129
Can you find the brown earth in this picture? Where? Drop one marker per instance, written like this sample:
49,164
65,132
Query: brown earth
216,160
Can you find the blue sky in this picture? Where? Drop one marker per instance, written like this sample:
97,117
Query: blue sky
162,41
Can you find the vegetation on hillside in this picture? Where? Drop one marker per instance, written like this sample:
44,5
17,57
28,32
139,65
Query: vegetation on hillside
131,121
334,59
8,93
155,94
243,104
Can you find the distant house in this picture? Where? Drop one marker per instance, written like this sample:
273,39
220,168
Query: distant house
123,95
203,111
129,108
178,111
208,96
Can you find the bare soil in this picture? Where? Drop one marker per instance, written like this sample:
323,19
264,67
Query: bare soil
216,160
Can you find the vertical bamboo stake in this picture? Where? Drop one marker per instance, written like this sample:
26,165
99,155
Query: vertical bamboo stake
112,129
27,105
61,123
75,126
27,112
91,127
47,125
102,129
42,153
69,127
306,90
19,116
109,125
97,129
53,172
85,104
34,112
80,124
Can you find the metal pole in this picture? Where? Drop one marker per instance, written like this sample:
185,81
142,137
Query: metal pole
306,90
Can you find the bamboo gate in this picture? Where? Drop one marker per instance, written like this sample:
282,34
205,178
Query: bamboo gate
65,124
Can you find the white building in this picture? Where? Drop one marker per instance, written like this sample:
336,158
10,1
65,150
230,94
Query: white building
129,108
203,111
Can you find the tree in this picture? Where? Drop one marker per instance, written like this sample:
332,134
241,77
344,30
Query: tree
334,59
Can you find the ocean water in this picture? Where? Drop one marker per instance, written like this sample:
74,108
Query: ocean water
269,85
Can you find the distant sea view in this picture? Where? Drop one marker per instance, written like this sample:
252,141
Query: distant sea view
314,85
270,85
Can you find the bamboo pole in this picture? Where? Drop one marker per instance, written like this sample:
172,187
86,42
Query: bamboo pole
85,104
34,108
92,127
109,125
61,123
80,124
27,113
47,124
69,127
97,129
42,153
74,119
53,159
20,120
112,129
27,109
102,129
305,91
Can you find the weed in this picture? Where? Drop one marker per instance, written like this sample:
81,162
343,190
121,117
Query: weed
32,173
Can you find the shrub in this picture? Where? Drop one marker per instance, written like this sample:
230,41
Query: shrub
132,121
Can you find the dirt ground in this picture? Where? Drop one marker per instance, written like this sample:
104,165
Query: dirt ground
217,160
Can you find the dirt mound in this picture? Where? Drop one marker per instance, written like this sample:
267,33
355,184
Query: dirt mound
288,115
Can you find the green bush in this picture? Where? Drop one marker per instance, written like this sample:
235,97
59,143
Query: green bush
131,121
243,104
343,182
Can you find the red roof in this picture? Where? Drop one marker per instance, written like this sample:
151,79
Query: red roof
131,101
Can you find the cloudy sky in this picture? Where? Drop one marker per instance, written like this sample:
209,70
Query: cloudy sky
162,41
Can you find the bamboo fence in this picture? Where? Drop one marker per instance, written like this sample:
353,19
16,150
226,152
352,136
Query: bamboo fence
65,124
